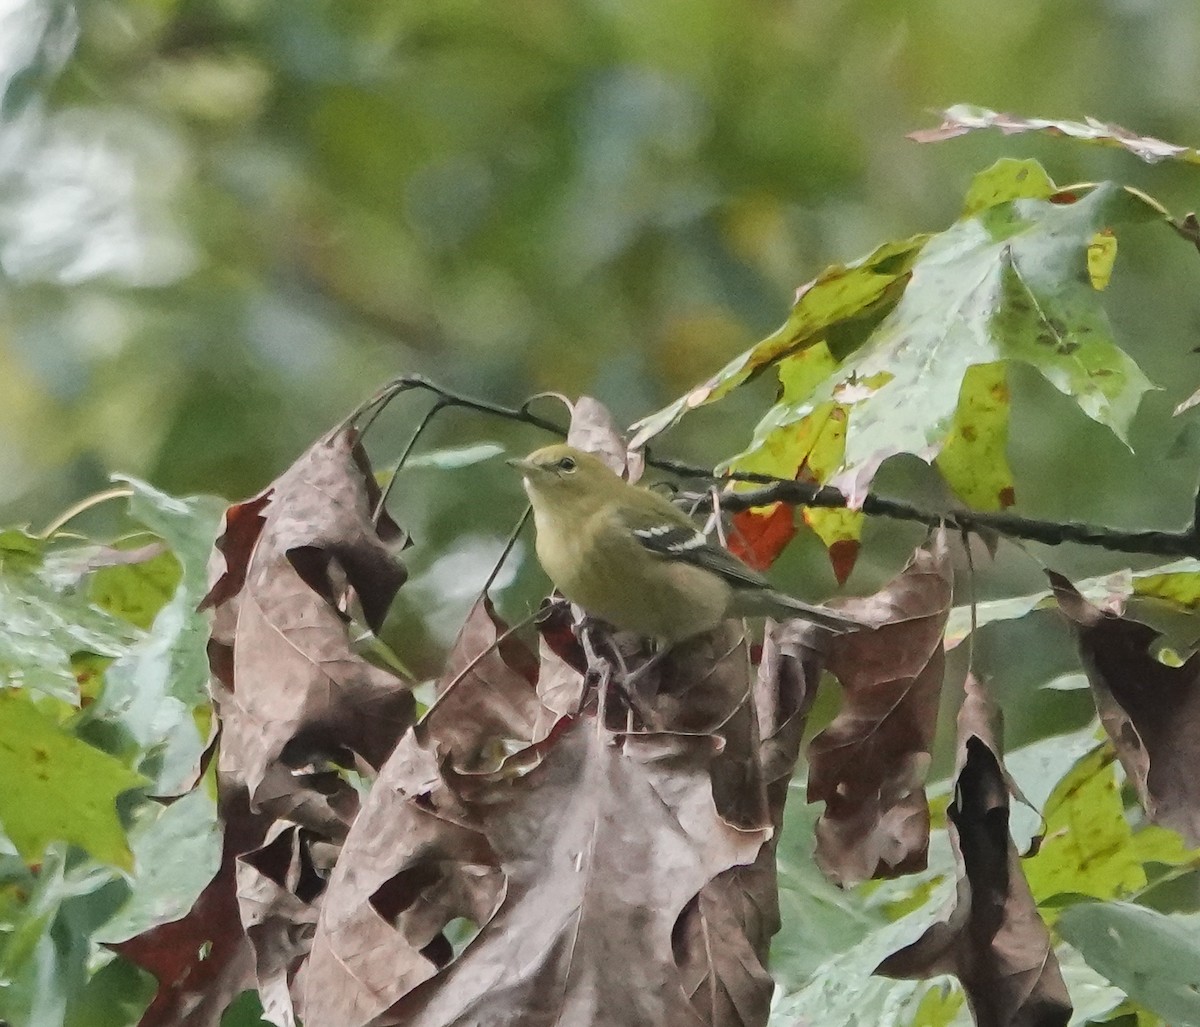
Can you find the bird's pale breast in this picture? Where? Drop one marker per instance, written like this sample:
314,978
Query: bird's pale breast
620,582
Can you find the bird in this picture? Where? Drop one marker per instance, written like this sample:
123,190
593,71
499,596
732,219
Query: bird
630,557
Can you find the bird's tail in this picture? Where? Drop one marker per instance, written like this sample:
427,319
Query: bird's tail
783,605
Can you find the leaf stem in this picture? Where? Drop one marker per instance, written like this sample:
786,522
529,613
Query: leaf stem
474,662
508,547
412,442
71,512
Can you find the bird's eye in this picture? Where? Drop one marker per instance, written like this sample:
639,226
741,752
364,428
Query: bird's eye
567,463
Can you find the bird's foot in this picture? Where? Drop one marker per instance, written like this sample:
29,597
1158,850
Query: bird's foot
641,677
612,669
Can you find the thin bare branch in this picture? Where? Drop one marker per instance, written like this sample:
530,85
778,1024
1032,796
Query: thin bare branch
797,493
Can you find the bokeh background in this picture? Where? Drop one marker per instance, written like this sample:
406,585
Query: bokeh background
225,222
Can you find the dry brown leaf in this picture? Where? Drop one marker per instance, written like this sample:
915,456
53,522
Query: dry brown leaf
406,870
416,858
722,941
494,707
721,944
1192,401
561,685
963,118
1150,710
203,960
291,695
994,940
295,693
603,845
504,807
277,891
706,687
789,672
593,430
869,765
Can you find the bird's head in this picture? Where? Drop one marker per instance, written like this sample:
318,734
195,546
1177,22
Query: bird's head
566,476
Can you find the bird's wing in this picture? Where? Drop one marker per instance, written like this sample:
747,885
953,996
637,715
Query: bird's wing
679,539
674,537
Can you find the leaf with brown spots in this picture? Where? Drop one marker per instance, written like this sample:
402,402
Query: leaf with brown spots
839,295
876,358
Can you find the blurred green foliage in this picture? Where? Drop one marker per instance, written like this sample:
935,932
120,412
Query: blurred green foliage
222,222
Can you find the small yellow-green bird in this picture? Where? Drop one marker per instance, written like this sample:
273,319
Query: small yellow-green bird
629,557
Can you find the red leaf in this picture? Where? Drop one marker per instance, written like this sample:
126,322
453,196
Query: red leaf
203,960
842,556
243,525
758,539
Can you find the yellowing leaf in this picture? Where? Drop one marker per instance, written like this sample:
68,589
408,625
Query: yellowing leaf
810,449
828,444
1182,587
1087,848
1007,179
1101,254
785,436
788,449
136,590
899,331
939,1007
1154,844
974,458
840,530
802,372
58,788
838,294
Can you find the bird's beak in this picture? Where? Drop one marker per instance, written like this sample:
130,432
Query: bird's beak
524,466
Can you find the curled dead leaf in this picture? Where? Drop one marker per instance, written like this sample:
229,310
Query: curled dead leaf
203,960
603,845
296,693
994,941
869,765
1149,709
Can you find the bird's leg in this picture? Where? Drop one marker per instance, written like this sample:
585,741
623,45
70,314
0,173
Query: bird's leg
618,658
602,701
631,679
604,666
599,666
585,627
